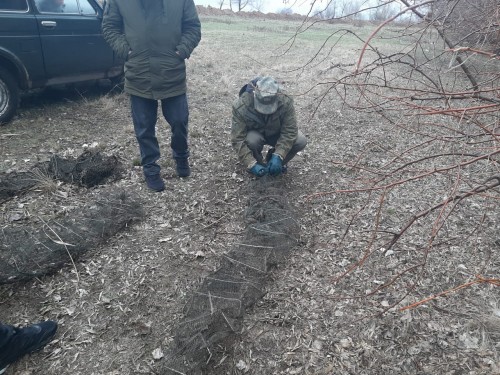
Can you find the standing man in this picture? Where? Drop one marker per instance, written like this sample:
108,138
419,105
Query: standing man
264,115
155,37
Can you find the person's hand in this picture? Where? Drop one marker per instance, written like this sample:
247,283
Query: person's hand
275,165
258,170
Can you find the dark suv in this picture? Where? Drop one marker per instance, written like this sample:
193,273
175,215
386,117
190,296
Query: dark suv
51,42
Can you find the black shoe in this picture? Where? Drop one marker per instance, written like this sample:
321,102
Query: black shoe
155,182
25,341
284,169
183,169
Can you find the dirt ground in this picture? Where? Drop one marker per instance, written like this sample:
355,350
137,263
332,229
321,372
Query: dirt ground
120,302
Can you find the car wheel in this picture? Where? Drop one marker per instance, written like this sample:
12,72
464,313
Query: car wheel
9,96
118,82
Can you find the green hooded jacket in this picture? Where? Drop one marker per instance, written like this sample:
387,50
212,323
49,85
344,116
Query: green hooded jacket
282,125
154,37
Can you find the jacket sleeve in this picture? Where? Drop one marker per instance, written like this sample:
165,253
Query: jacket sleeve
238,137
191,30
289,129
112,29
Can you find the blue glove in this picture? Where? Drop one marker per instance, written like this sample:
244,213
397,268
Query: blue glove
275,165
258,170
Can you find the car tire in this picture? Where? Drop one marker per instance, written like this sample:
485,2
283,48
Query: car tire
9,96
118,83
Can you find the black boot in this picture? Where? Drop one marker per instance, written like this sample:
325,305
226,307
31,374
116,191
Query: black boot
155,182
26,340
183,169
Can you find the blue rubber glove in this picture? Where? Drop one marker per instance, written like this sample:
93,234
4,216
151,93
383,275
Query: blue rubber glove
275,165
258,170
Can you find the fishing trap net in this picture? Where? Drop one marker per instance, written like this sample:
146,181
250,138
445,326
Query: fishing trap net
214,313
27,252
89,169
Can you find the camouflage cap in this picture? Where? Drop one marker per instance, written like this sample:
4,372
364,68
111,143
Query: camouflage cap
266,95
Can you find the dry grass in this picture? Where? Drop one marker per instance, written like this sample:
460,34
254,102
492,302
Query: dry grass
44,182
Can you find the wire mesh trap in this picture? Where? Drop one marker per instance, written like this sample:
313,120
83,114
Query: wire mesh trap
26,253
214,313
89,169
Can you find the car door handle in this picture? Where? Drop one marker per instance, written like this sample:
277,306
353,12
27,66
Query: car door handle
49,24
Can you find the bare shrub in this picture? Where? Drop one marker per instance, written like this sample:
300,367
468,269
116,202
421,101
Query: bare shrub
436,84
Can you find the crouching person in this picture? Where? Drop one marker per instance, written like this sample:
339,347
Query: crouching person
264,115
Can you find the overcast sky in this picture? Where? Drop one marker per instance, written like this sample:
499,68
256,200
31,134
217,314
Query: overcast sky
298,6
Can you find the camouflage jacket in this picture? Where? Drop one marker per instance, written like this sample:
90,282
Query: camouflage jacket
281,124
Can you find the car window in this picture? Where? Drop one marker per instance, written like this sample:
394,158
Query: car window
65,6
17,5
87,9
57,6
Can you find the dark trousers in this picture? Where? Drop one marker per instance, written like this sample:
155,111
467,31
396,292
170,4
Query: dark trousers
256,141
144,116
